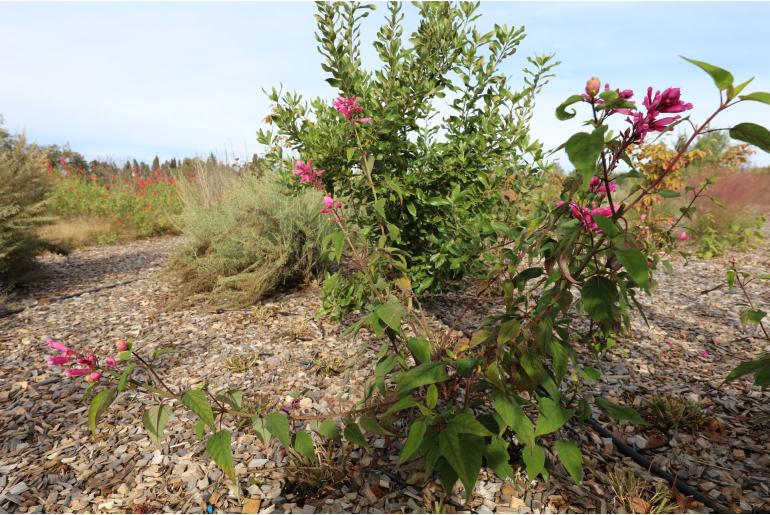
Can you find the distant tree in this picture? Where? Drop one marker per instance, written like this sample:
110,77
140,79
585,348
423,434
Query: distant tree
173,163
155,163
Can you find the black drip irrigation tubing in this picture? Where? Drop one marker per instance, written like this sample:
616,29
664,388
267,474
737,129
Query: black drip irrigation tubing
647,464
632,453
9,312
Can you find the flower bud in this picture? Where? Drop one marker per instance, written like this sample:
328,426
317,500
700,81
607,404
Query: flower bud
122,346
110,362
683,236
592,87
93,377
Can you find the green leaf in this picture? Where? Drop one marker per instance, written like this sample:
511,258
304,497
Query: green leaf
620,412
260,429
514,417
465,422
370,425
196,401
498,458
354,435
669,194
383,367
125,376
218,447
722,78
607,226
402,404
562,113
155,420
328,429
199,429
466,366
509,330
552,416
572,458
391,313
431,396
635,264
413,440
463,452
234,398
583,150
125,355
752,133
748,367
303,443
534,459
278,425
420,349
99,405
421,375
759,96
752,316
599,296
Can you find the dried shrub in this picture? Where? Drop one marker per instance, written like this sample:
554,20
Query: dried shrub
246,237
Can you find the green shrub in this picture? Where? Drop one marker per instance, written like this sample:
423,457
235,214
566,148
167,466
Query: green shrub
23,188
446,133
245,237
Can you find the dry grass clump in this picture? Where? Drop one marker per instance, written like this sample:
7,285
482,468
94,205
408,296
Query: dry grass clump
245,237
636,495
674,412
83,231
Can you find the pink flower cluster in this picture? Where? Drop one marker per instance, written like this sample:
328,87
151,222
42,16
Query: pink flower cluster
88,362
586,215
597,186
668,102
349,108
306,173
330,204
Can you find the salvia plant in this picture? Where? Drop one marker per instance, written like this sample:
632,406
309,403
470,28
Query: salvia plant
455,404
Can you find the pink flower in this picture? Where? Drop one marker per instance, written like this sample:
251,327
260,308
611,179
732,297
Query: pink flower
349,108
601,211
597,186
586,216
110,362
89,361
558,203
306,173
55,361
705,354
93,377
122,346
667,102
330,204
77,371
592,87
66,351
683,236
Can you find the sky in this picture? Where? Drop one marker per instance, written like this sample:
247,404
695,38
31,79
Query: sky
135,80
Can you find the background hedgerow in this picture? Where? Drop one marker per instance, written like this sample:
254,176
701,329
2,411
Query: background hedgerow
23,188
245,237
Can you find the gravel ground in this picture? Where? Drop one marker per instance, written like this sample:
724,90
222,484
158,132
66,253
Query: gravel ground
49,462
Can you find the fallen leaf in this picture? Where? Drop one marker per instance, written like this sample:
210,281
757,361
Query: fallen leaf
715,430
251,506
